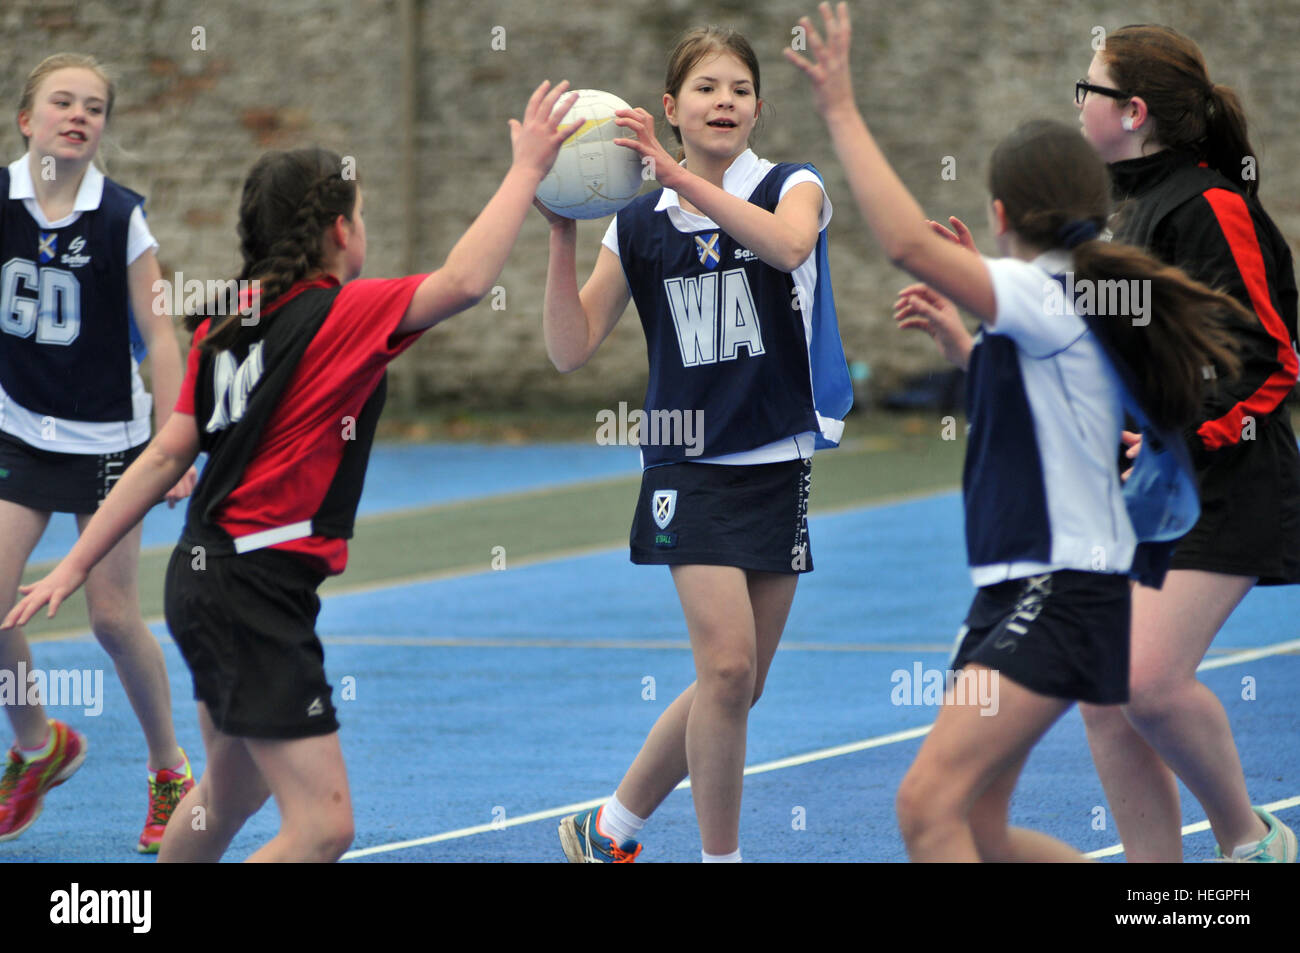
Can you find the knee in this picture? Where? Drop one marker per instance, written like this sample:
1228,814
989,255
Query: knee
918,806
114,628
730,680
1151,695
325,837
227,812
335,837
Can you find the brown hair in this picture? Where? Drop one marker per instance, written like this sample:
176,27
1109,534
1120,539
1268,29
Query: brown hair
693,46
1167,70
290,199
57,62
1053,183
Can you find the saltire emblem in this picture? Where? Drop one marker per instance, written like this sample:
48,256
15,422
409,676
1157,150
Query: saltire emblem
707,249
665,505
49,246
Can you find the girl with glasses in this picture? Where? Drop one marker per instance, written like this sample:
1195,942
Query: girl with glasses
1178,152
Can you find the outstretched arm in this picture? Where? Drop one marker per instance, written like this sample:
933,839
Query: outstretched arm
477,259
890,210
155,472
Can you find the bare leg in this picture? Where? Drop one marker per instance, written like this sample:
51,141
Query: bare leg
211,814
661,764
114,603
964,755
999,843
1140,788
1173,715
21,530
310,784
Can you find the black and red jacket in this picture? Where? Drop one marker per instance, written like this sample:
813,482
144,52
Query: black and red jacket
1186,214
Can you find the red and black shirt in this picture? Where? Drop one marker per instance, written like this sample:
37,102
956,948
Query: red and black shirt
288,418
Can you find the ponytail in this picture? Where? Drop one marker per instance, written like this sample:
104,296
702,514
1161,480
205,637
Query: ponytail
1227,146
1186,333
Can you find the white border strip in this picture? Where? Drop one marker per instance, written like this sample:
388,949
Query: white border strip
269,537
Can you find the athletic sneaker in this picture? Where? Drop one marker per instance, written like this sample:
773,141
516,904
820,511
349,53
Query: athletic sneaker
23,787
583,842
1277,847
166,789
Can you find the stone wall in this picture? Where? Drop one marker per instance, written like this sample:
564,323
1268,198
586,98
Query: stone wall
204,87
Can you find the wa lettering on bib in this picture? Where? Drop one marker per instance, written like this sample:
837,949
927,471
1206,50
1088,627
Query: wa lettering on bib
715,316
726,333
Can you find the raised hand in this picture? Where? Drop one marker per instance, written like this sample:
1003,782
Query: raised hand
959,233
536,141
829,75
921,307
642,125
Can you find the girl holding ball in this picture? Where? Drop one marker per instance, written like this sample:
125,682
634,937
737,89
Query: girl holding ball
727,266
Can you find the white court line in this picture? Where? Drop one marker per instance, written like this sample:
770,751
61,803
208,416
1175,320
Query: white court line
1198,827
1249,655
823,754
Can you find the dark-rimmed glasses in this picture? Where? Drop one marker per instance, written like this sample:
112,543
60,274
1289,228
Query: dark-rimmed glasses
1082,88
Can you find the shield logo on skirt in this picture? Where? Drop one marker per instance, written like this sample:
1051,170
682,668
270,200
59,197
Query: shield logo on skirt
665,505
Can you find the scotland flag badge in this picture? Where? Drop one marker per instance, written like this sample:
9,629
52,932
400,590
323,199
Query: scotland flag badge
49,246
665,505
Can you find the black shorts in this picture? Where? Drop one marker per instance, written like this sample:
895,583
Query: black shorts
751,517
1063,634
1250,508
246,626
59,482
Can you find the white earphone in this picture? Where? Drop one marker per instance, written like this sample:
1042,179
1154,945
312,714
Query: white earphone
1127,123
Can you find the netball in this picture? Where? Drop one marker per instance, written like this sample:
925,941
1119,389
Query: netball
592,177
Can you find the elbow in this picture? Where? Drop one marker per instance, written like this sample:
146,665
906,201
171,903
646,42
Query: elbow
567,364
469,295
794,255
905,254
469,290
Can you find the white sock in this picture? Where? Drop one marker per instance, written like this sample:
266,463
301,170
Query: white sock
618,823
732,858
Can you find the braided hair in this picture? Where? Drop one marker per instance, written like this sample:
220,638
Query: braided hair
290,200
